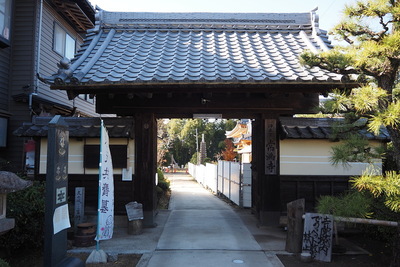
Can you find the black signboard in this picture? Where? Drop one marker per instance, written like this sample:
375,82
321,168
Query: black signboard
56,217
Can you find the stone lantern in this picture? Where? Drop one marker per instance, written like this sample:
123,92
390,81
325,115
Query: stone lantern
9,182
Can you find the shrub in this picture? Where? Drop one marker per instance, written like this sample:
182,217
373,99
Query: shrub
361,205
164,185
162,182
350,204
3,263
27,208
162,190
193,159
382,212
160,175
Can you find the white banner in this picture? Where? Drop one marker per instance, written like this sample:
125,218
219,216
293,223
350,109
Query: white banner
106,189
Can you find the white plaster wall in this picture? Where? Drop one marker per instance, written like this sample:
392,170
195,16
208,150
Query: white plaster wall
312,157
75,155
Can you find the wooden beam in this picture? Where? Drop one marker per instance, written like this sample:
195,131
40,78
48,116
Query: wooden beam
75,14
196,88
289,104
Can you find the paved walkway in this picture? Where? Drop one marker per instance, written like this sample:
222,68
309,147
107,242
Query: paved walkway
199,229
203,230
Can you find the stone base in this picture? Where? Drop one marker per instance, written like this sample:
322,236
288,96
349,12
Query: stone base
85,235
71,262
135,227
84,240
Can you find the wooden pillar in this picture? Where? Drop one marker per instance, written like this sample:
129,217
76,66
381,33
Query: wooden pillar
255,165
146,164
266,170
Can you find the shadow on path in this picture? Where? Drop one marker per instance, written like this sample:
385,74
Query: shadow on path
203,230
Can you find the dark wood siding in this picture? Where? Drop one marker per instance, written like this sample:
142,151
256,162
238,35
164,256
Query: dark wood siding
4,78
19,65
123,192
23,43
310,188
20,75
50,58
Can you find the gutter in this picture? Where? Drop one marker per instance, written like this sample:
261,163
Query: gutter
38,55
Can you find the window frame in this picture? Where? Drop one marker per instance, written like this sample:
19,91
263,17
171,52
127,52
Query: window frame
86,97
5,32
60,41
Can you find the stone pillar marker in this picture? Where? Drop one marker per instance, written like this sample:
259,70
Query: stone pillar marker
295,226
79,210
203,150
56,216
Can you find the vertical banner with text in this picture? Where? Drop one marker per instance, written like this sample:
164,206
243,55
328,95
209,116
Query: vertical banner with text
106,189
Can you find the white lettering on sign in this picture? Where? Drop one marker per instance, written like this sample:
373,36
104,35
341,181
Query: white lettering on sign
61,195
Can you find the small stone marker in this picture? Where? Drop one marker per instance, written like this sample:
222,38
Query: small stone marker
134,211
79,205
295,225
317,237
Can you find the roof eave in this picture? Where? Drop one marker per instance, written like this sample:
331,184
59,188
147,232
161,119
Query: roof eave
180,87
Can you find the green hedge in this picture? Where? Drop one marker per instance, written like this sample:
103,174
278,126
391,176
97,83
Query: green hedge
27,208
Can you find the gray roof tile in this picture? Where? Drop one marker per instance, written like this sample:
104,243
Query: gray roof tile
200,47
320,128
80,127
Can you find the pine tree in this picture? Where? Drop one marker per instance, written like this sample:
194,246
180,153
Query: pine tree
372,55
371,30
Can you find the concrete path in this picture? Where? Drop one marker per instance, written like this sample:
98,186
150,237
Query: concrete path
200,230
203,230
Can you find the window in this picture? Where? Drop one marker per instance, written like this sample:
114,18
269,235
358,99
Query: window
64,43
86,97
5,22
119,155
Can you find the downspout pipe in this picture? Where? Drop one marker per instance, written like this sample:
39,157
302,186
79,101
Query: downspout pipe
39,44
38,55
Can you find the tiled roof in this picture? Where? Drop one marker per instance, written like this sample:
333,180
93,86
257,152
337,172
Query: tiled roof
80,127
197,48
319,128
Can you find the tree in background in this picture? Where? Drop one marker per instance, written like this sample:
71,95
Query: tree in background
182,136
371,30
229,153
162,142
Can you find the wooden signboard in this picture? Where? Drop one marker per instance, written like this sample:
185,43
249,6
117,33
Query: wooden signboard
271,154
134,211
317,237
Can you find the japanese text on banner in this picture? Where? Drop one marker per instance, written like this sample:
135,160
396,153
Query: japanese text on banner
106,190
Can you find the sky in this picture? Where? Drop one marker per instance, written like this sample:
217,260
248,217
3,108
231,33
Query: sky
329,11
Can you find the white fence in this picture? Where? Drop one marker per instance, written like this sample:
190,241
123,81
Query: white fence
231,179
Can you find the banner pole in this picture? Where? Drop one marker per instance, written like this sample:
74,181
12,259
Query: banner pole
99,189
98,255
